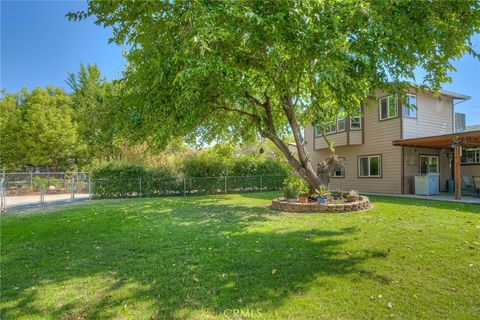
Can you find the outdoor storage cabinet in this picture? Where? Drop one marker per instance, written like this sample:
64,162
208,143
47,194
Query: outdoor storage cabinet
427,184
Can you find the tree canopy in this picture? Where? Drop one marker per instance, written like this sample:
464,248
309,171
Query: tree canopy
231,70
93,99
38,129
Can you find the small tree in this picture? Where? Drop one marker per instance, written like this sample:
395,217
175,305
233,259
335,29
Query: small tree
216,70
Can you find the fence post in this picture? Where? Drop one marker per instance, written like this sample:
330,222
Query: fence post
3,205
72,189
42,196
31,181
140,181
184,187
261,183
89,188
225,184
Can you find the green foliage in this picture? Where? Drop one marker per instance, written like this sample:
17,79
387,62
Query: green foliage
204,173
206,164
93,101
293,186
119,180
38,129
323,192
210,163
40,183
321,56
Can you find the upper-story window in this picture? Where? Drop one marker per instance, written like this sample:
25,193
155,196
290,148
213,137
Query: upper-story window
356,121
410,110
470,156
388,107
341,124
331,127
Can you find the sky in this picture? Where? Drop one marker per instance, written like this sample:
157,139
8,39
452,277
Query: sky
39,47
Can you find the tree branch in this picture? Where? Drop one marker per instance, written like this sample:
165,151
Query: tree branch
251,115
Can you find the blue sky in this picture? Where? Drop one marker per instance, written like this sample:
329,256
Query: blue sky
39,46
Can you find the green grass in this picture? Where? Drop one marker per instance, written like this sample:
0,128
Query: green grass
203,257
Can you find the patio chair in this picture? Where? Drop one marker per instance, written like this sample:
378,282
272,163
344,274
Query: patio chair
476,181
469,184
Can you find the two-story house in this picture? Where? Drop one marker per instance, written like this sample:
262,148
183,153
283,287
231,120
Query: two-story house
390,143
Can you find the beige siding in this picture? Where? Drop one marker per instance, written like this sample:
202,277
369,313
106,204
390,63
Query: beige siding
378,141
356,137
340,139
470,170
412,167
434,117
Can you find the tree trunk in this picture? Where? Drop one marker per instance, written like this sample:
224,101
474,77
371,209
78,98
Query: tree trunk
267,130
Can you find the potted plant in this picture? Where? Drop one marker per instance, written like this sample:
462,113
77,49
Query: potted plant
352,196
324,195
293,186
303,198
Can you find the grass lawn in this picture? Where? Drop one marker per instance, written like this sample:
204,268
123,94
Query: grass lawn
208,257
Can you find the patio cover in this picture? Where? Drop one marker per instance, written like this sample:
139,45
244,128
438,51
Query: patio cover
469,139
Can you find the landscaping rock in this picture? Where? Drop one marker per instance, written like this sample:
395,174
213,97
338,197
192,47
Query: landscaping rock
362,203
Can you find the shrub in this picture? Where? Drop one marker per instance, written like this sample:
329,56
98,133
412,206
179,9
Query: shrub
293,186
42,183
204,173
118,180
205,164
256,166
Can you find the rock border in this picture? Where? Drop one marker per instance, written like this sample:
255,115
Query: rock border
282,205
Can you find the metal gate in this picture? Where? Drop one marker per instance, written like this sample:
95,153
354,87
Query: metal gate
31,189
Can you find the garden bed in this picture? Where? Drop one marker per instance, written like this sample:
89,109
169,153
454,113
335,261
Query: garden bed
280,204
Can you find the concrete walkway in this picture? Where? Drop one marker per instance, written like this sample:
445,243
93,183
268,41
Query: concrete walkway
29,202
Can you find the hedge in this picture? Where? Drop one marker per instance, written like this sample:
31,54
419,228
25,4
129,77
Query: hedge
198,176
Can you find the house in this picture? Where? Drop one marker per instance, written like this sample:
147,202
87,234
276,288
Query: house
388,143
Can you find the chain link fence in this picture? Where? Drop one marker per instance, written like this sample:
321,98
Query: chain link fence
25,189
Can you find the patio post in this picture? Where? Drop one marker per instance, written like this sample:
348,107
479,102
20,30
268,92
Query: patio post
457,173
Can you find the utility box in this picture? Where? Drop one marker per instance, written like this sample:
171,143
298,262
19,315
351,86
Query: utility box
427,184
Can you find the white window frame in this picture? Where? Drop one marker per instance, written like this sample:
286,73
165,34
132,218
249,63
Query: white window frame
476,155
342,173
369,168
389,116
359,117
407,111
429,157
326,126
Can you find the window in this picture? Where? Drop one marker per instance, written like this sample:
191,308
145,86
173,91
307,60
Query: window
328,128
340,124
471,156
356,121
410,110
388,107
370,166
340,173
428,164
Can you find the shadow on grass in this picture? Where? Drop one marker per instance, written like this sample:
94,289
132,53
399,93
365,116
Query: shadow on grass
183,256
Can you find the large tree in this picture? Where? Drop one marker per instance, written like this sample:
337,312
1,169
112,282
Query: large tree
92,100
217,70
37,129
